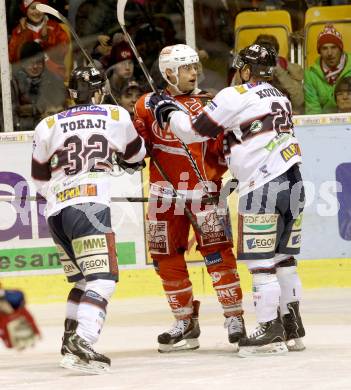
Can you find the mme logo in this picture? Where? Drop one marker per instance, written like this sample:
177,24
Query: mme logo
96,244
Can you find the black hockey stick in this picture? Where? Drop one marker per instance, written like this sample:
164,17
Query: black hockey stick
121,4
114,199
52,11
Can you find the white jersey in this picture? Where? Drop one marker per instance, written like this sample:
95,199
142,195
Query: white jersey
256,119
73,153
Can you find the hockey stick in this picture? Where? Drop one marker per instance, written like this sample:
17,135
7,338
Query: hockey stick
52,11
121,4
114,199
46,9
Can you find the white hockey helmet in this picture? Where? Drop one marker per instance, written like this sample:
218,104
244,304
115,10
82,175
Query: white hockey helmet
172,57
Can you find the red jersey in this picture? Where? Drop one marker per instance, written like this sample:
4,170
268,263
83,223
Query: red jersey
56,39
170,154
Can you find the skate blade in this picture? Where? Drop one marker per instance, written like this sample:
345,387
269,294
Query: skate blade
73,362
182,345
273,349
295,345
235,346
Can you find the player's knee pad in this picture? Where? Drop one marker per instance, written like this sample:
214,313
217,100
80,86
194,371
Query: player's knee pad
171,267
104,288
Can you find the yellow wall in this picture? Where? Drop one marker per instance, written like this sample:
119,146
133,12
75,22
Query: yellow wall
144,282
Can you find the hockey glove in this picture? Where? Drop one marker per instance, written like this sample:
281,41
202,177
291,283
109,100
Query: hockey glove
162,106
17,327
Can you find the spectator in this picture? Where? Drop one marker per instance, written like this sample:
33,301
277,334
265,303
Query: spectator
121,66
34,88
287,77
343,95
129,95
321,78
36,26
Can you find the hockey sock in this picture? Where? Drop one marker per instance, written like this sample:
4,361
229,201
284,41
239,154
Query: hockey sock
290,286
266,292
73,300
221,266
179,294
92,309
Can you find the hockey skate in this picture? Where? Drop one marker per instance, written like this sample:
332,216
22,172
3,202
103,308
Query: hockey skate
294,328
183,335
80,356
236,328
267,339
70,327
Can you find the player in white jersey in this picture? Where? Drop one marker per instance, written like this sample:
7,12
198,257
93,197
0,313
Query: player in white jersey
73,154
264,155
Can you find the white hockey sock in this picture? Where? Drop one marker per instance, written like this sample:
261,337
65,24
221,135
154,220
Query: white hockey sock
91,319
290,286
92,309
266,292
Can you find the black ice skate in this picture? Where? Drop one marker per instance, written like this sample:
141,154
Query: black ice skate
79,355
70,327
294,328
236,328
184,334
267,339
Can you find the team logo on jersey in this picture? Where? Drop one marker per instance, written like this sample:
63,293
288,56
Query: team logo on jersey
256,126
165,135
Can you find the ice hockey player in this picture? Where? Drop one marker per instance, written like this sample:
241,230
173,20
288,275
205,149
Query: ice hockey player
73,153
17,326
168,226
264,155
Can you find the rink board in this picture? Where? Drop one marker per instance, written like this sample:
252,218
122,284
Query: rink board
28,255
137,283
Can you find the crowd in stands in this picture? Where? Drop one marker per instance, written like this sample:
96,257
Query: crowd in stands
42,54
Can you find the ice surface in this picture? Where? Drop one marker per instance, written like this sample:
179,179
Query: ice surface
129,339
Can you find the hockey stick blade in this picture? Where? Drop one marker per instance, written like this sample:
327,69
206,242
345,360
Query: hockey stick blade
52,11
46,9
121,5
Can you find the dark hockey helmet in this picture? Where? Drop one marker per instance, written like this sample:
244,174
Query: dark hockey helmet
84,82
261,60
